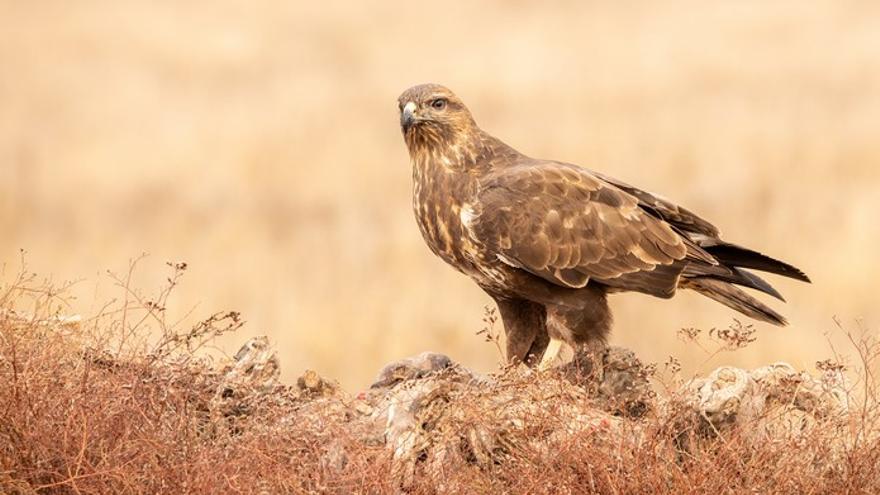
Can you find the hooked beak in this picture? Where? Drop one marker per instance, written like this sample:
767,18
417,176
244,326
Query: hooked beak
408,116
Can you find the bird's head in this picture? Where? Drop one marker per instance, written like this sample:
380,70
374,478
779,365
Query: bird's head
431,114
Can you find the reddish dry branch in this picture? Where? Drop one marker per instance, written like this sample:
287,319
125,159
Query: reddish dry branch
74,420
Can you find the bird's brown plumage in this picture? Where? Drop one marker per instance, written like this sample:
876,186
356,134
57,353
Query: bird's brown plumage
548,240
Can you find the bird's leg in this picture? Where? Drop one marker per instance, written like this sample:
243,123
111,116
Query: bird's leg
585,329
525,329
538,347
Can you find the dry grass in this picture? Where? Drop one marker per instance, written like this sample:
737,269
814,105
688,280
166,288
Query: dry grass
121,403
125,402
262,144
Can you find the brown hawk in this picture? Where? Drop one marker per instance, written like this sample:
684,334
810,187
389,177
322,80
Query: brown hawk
549,240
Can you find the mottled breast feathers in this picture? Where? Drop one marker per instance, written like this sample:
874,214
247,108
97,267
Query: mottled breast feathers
568,226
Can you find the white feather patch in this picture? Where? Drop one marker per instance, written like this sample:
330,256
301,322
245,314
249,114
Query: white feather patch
467,215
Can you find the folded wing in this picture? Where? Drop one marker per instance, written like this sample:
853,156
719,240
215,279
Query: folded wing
567,226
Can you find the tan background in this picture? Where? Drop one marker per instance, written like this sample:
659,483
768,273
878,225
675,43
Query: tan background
260,144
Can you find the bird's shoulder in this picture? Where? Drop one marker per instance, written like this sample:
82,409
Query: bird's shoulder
555,184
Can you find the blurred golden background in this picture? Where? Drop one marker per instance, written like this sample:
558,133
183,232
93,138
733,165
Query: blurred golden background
260,143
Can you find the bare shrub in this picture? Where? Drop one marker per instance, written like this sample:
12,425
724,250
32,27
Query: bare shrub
122,402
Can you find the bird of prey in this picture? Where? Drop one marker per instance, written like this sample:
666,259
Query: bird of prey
548,240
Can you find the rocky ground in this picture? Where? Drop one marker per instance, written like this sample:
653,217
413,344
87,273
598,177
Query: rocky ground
76,419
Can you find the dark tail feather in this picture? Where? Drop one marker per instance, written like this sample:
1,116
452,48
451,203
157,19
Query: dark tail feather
717,281
748,279
733,297
734,275
733,255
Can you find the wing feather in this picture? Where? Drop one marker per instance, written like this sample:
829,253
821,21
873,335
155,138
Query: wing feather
668,211
567,226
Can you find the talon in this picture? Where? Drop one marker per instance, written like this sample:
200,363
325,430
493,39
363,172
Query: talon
551,355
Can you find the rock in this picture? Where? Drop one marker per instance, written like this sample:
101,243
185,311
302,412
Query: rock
433,414
620,386
411,368
253,373
625,386
770,402
313,385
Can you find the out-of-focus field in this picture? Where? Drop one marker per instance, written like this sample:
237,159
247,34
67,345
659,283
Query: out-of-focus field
259,143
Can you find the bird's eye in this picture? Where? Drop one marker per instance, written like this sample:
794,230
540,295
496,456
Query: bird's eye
438,103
